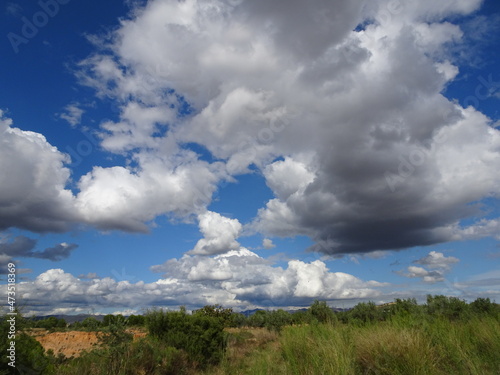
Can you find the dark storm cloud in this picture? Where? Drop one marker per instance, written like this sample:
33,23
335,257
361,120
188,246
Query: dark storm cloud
23,247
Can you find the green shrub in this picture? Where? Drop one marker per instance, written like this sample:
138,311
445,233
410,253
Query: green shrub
146,356
301,317
136,320
277,319
90,323
50,323
365,312
258,319
218,312
30,356
201,337
483,306
322,312
447,307
111,319
238,320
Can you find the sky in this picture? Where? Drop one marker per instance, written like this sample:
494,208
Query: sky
248,153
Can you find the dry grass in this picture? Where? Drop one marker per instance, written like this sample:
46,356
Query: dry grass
250,351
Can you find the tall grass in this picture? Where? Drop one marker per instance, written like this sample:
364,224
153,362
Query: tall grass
318,349
436,347
406,346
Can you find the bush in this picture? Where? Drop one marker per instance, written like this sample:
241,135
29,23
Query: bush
30,355
136,320
238,320
218,312
301,317
90,323
111,319
146,356
50,323
483,306
365,313
258,319
201,337
277,319
447,307
322,312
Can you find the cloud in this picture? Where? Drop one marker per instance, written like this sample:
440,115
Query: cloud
239,279
73,114
23,247
56,253
427,276
482,228
374,157
33,179
20,247
126,198
486,285
288,177
250,278
437,260
89,276
268,244
339,104
220,234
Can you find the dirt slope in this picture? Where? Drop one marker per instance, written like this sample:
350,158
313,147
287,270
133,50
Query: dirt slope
71,343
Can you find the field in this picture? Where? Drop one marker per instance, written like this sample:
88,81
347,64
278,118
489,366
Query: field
445,336
440,348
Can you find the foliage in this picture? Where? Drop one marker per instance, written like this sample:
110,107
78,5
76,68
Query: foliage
29,354
365,313
238,320
217,311
277,319
136,320
202,337
258,318
90,323
111,319
301,317
444,336
483,306
447,307
322,312
50,323
146,356
435,347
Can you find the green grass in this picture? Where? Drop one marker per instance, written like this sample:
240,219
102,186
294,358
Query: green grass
437,346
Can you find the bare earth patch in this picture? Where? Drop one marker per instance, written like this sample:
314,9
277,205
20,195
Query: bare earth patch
71,343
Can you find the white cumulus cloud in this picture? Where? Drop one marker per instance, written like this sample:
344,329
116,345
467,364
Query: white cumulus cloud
220,234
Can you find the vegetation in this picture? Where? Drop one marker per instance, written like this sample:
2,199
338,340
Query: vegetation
29,354
443,336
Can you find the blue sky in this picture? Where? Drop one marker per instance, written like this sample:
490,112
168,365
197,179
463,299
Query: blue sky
165,153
